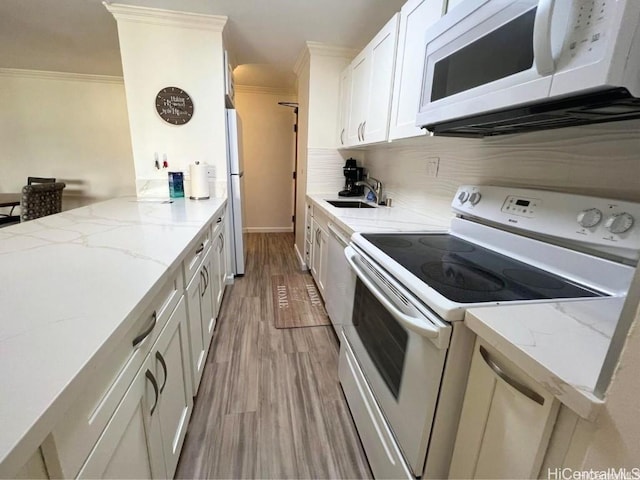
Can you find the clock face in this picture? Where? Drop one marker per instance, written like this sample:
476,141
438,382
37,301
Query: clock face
174,105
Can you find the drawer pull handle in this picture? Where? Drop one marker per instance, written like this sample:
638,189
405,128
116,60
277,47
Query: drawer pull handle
164,367
204,282
200,249
152,379
143,335
219,220
206,277
523,389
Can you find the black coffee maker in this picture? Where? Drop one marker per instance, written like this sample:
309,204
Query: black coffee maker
352,174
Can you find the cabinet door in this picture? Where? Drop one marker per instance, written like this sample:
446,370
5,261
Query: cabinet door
206,300
219,257
416,16
171,357
345,99
505,424
131,445
197,350
315,251
382,59
324,259
360,68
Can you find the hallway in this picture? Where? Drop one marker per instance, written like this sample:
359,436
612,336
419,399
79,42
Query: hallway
269,405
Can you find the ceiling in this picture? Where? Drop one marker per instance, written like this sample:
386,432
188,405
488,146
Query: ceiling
80,36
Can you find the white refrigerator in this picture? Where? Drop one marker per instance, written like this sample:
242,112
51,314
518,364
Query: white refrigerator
235,192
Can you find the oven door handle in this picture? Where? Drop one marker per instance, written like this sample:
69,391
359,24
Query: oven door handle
421,326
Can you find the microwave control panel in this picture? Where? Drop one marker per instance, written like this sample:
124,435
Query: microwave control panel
588,30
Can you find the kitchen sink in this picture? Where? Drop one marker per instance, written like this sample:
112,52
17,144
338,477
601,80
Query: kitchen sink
349,204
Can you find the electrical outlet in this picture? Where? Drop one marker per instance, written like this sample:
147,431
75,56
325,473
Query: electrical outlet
433,165
211,171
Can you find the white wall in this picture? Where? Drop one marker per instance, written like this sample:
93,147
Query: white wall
71,127
161,49
600,160
268,145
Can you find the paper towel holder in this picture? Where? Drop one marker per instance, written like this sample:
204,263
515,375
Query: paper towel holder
203,188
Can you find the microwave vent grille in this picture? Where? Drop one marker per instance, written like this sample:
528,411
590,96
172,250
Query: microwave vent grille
605,106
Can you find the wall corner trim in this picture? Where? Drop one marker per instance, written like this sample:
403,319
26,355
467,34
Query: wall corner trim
172,18
68,76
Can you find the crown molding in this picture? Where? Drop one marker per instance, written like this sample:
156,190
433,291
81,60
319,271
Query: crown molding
158,16
264,90
46,75
301,61
321,49
324,49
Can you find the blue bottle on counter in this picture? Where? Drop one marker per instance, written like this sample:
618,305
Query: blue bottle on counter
176,185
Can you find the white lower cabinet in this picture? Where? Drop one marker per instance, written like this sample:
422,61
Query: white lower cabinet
197,350
218,269
506,422
144,437
319,257
204,297
175,400
130,446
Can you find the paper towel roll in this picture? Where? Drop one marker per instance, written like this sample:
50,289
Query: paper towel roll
199,181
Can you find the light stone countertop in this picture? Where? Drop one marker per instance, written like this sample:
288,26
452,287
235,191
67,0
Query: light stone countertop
561,345
71,286
385,219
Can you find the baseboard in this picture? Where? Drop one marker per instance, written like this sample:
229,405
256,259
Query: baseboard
301,262
268,229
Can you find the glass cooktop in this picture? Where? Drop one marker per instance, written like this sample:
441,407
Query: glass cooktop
467,273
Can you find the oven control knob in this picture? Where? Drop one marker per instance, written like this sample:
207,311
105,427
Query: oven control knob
589,218
474,198
463,197
619,223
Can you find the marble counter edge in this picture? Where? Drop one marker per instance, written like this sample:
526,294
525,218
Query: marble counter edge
583,403
347,219
14,459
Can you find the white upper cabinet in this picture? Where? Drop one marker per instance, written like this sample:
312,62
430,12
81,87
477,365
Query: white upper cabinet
416,17
343,114
383,56
369,97
453,3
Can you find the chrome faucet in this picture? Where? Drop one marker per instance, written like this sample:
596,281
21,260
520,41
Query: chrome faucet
374,185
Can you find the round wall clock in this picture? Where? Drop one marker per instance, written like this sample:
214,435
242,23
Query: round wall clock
174,105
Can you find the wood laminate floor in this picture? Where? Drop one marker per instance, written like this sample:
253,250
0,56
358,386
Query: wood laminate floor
270,405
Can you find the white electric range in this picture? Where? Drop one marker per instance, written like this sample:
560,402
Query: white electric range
405,355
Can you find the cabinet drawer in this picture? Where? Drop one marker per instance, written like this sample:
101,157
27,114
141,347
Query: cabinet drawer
69,443
218,223
196,254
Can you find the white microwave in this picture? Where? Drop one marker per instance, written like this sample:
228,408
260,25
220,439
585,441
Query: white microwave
504,66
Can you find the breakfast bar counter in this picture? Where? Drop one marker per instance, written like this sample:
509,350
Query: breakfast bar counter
72,285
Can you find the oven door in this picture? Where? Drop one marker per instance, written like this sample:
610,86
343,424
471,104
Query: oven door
488,55
400,347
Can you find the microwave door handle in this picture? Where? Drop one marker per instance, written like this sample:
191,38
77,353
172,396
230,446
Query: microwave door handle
417,325
542,53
